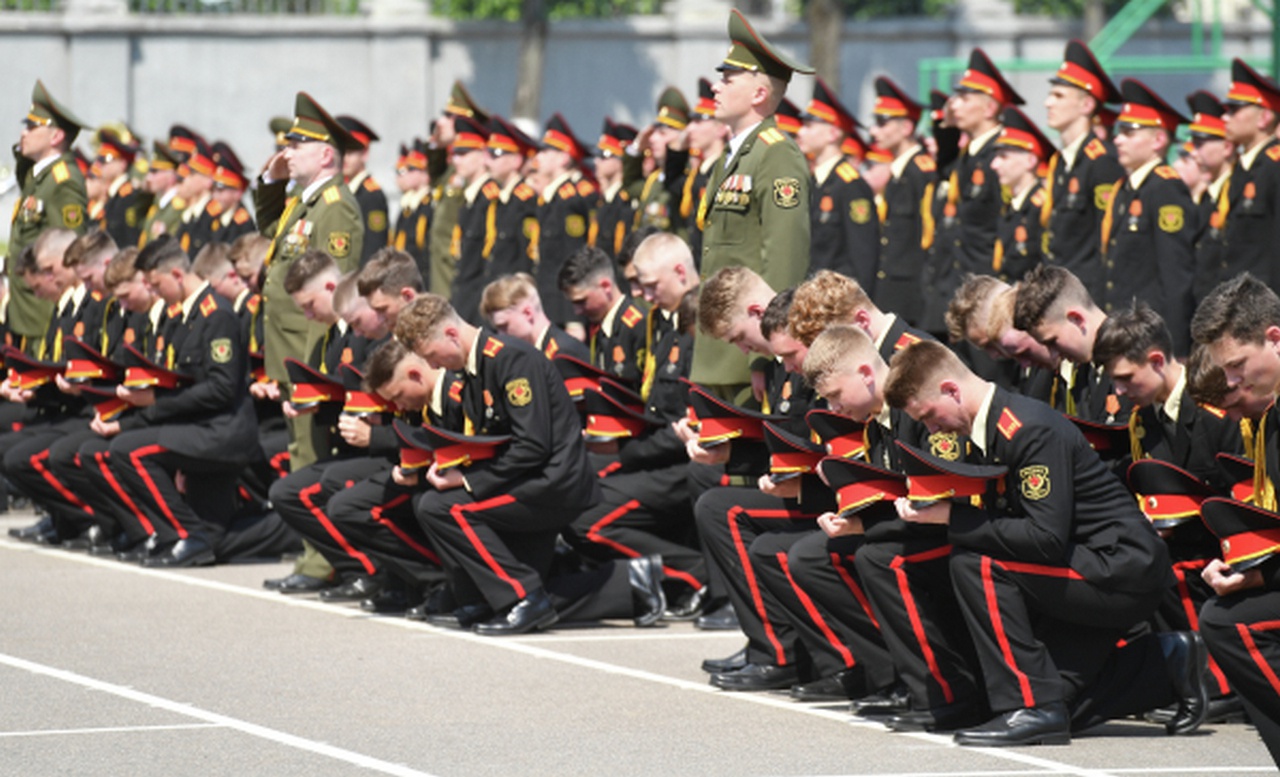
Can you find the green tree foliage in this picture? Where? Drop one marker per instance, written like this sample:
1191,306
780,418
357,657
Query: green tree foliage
1068,9
509,10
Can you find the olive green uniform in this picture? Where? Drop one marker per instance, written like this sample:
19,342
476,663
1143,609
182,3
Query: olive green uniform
448,201
755,213
162,219
53,198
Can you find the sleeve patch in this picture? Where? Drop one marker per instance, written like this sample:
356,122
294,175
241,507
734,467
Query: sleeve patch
220,350
519,392
1035,482
72,216
575,225
860,211
339,244
377,220
1101,194
786,192
1170,218
1008,424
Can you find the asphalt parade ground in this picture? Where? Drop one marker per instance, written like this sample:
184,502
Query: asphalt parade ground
111,669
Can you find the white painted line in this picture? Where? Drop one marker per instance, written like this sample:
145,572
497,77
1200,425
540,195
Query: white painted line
244,727
106,730
636,635
1198,770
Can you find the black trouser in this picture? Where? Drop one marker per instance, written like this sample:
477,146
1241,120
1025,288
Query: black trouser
300,499
1243,634
27,464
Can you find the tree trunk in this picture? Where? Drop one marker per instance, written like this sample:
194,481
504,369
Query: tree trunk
1095,17
533,45
826,22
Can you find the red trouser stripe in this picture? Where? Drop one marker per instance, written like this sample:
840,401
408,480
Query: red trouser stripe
1180,569
305,496
854,588
1246,636
595,536
37,463
997,625
749,572
609,469
1043,570
459,512
376,514
136,458
101,458
913,613
814,615
280,463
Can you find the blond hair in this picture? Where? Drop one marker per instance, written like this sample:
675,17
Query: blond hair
420,320
825,299
839,347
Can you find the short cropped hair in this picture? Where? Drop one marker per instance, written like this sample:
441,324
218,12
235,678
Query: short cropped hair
306,268
162,253
213,260
88,248
1047,290
918,366
1131,334
382,363
666,247
584,266
1241,308
26,260
968,302
825,299
1000,316
719,297
776,313
57,240
1206,381
632,241
345,293
506,291
251,247
834,350
122,267
421,319
389,271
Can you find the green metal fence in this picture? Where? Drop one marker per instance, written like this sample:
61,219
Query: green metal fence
45,6
259,7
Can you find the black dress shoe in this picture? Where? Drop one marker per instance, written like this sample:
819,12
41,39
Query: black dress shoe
841,686
1047,725
645,576
724,618
948,717
297,584
728,664
1187,660
29,533
354,590
756,677
388,601
191,552
461,619
687,608
144,550
529,614
887,701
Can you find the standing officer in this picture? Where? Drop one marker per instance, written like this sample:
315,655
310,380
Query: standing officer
470,154
1081,175
1150,226
1020,151
565,209
52,196
448,185
165,213
229,218
1252,213
416,206
756,209
906,204
616,209
1216,155
373,201
511,234
654,191
125,204
690,159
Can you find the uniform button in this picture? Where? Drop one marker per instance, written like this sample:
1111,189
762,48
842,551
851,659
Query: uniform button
884,241
1110,264
880,274
1110,285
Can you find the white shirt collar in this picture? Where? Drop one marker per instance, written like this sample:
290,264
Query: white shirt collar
314,187
1173,403
979,142
190,301
978,434
899,164
889,319
736,142
43,164
1138,176
1072,149
822,171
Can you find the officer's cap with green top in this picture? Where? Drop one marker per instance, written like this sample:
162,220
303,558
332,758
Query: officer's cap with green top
673,109
313,123
461,103
751,52
45,110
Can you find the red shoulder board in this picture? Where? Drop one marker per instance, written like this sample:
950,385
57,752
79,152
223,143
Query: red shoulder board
552,349
566,190
586,188
632,317
96,296
1094,148
1213,410
174,310
214,207
1274,153
926,163
125,190
492,346
906,339
1037,199
1166,172
1008,424
241,216
208,306
253,303
524,191
846,172
491,190
370,185
624,196
455,391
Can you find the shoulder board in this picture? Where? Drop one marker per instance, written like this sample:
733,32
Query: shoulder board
925,163
906,339
492,346
455,391
624,196
491,190
1274,153
1008,424
1166,172
1213,410
208,306
771,136
1037,199
253,303
60,173
125,190
96,296
241,216
177,203
846,172
214,208
523,191
1094,149
586,188
173,310
332,195
370,185
566,190
632,317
